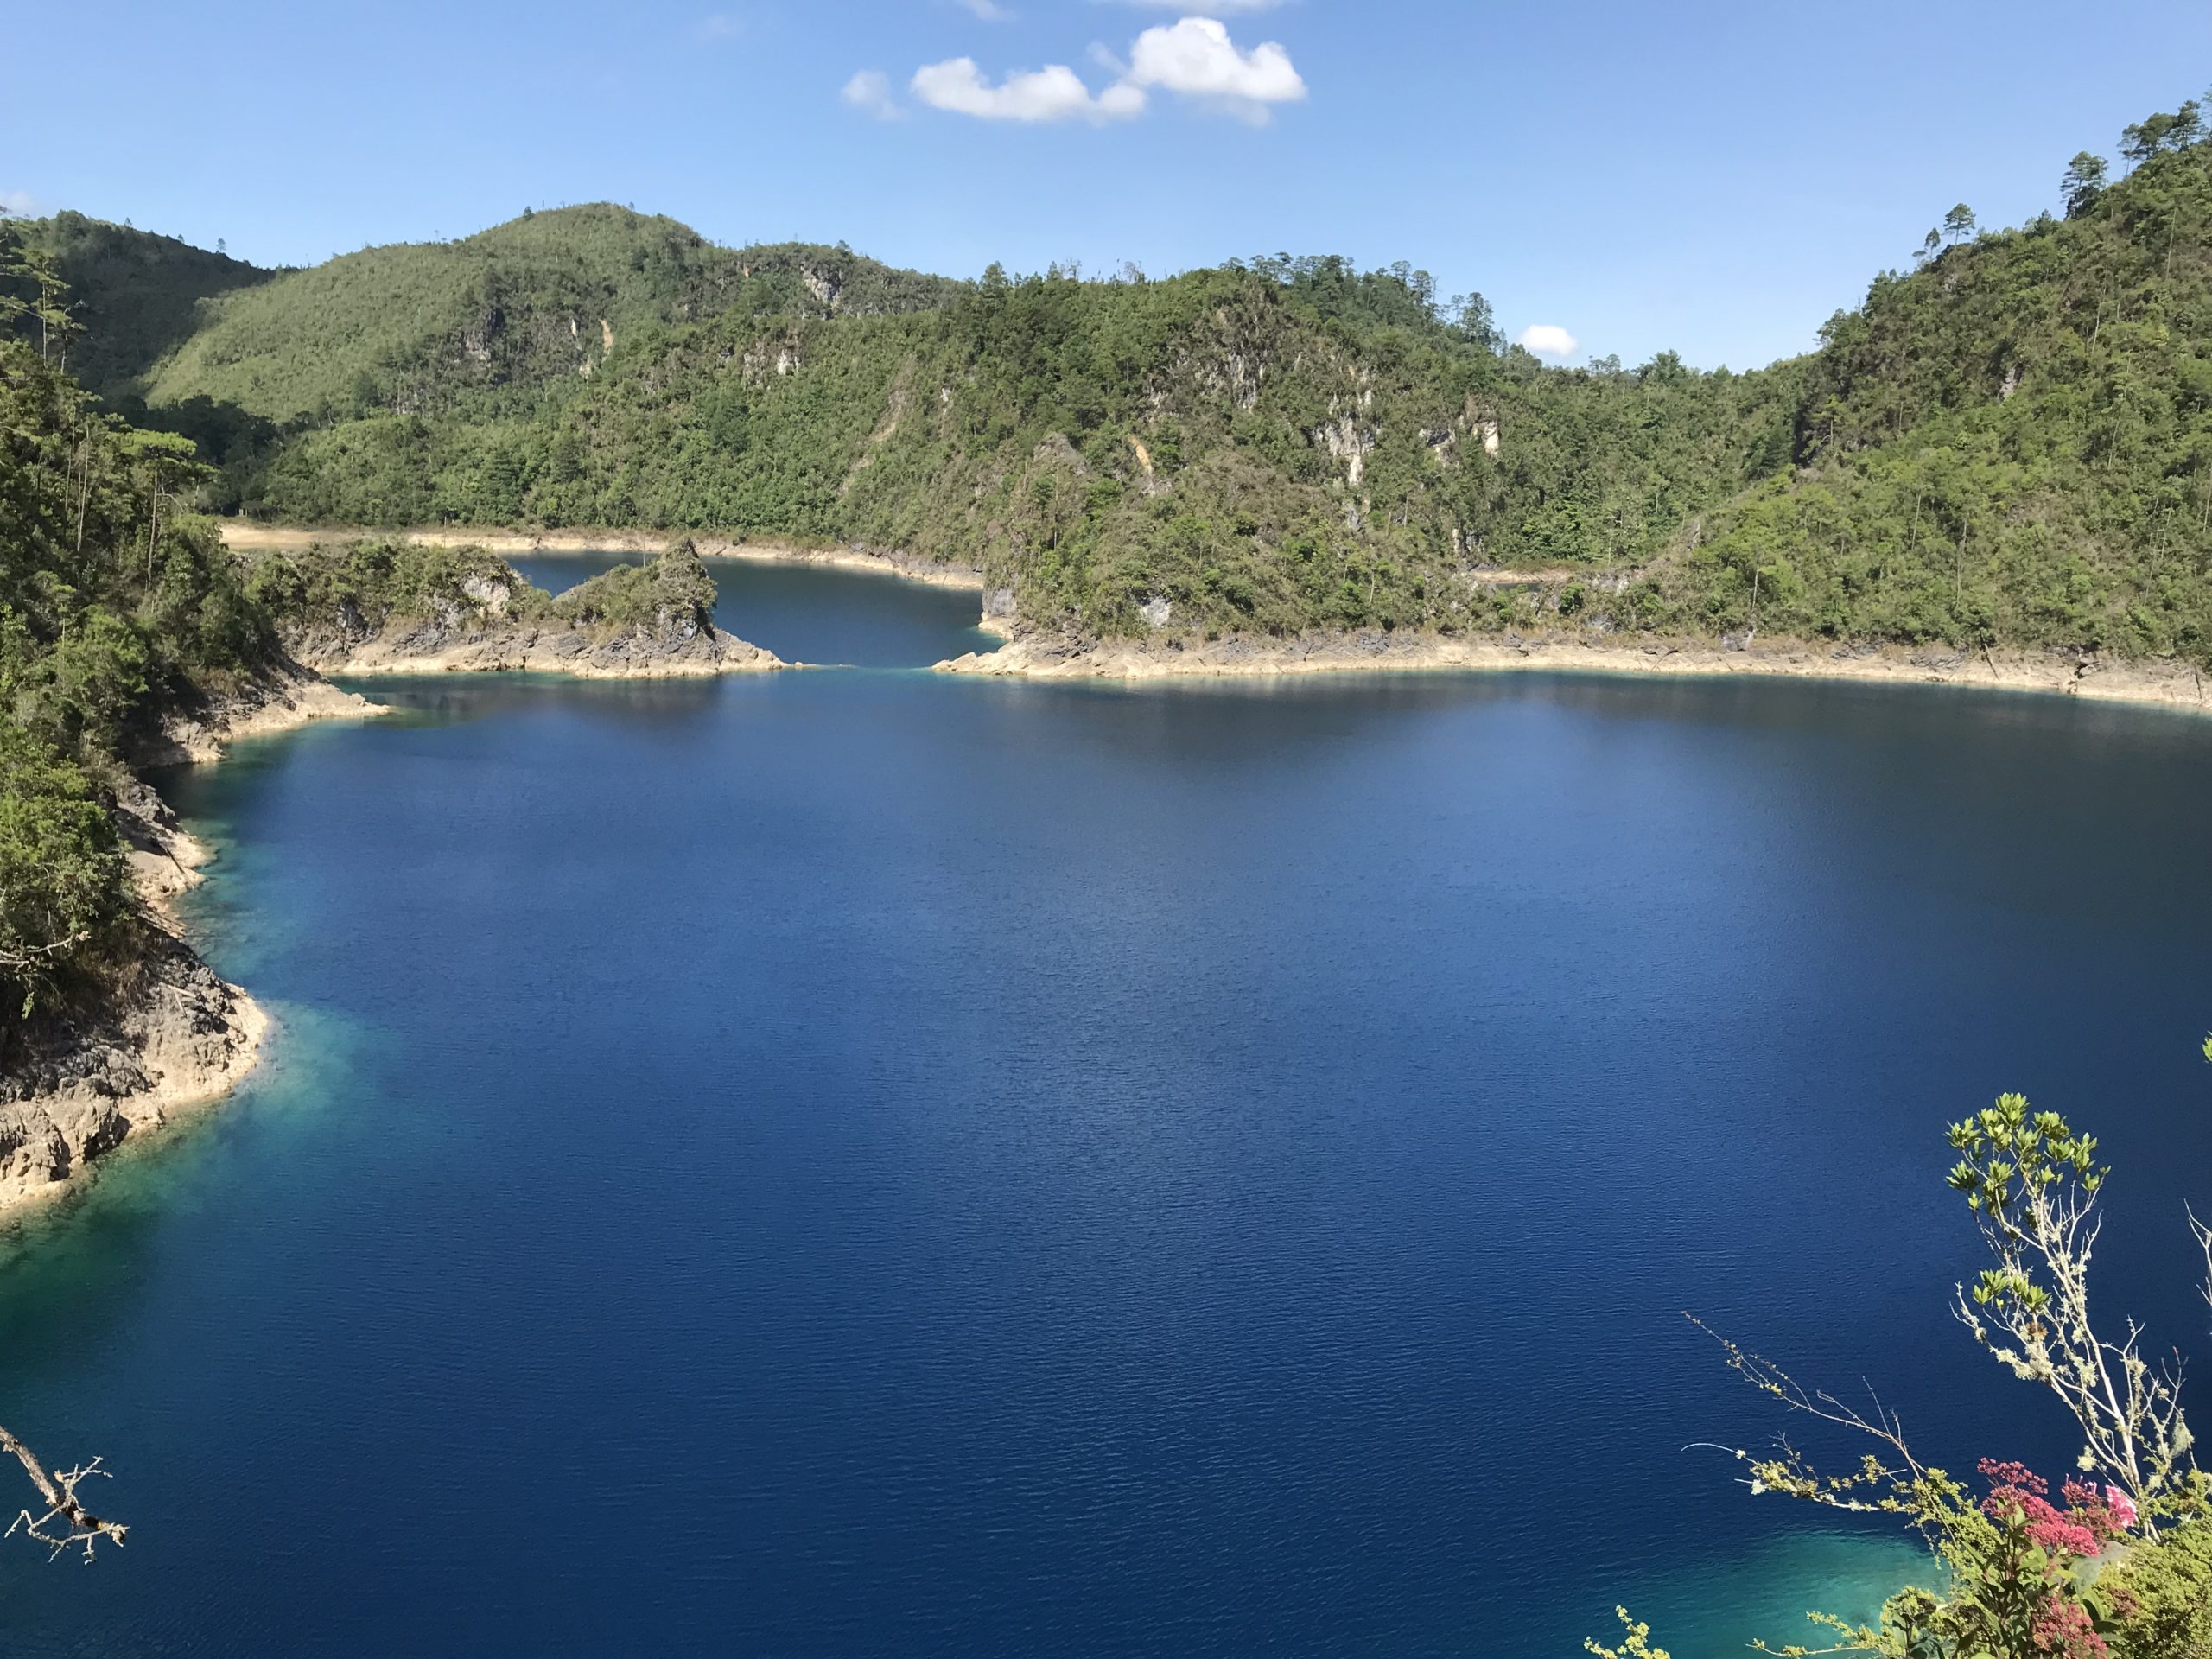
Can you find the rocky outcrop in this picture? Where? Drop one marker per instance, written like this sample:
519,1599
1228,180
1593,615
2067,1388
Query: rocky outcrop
290,697
432,646
394,606
172,1036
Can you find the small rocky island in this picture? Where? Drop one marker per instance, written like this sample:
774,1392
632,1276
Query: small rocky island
394,606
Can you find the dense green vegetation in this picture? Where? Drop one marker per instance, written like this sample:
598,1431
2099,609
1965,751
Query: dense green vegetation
2012,444
133,296
2006,446
1250,447
114,609
495,322
359,587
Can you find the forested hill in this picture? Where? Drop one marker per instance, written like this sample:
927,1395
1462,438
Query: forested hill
2010,444
2013,443
133,296
484,326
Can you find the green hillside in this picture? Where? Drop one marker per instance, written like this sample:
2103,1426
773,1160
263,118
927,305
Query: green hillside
488,324
2006,446
2012,444
136,295
1278,447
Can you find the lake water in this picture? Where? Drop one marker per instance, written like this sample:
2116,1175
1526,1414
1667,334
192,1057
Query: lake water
816,615
866,1162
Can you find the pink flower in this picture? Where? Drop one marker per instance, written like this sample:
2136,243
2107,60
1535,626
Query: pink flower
2107,1513
2014,1474
2017,1499
2063,1536
2063,1629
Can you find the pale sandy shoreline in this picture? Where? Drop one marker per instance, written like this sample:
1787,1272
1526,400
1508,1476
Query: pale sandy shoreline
2161,684
252,537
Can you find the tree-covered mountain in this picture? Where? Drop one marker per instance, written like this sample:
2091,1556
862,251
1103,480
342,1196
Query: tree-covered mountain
2006,446
133,296
495,323
2013,444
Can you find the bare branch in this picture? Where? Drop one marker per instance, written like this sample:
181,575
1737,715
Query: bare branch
67,1524
1770,1379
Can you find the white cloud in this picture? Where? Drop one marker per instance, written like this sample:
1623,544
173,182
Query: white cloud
870,90
1196,58
719,26
16,201
1549,340
989,11
1055,92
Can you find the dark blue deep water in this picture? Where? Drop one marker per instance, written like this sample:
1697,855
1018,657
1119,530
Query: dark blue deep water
813,614
871,1163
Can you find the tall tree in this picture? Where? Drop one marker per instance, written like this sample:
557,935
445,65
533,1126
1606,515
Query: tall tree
2083,182
2155,134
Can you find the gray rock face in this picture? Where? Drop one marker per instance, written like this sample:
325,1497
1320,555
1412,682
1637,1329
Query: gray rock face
674,645
80,1087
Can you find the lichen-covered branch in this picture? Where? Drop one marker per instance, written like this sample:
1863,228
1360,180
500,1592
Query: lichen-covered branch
67,1523
2032,1185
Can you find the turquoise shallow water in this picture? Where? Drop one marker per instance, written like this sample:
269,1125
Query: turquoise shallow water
868,1162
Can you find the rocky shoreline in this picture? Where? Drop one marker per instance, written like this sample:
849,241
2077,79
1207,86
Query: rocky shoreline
176,1035
423,648
2164,685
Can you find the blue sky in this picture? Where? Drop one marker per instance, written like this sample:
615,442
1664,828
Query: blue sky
1714,178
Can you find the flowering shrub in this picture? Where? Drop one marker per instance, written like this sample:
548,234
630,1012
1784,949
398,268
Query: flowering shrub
2120,1565
2018,1498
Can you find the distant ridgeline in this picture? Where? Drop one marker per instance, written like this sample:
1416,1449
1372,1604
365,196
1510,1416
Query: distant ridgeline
2012,445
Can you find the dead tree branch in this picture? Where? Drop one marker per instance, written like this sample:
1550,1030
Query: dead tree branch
67,1524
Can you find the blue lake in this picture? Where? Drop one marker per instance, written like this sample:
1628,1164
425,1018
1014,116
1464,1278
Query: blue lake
866,1162
818,614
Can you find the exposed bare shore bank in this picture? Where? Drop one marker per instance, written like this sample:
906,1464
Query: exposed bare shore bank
2164,685
567,651
182,1040
250,538
177,1037
291,701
